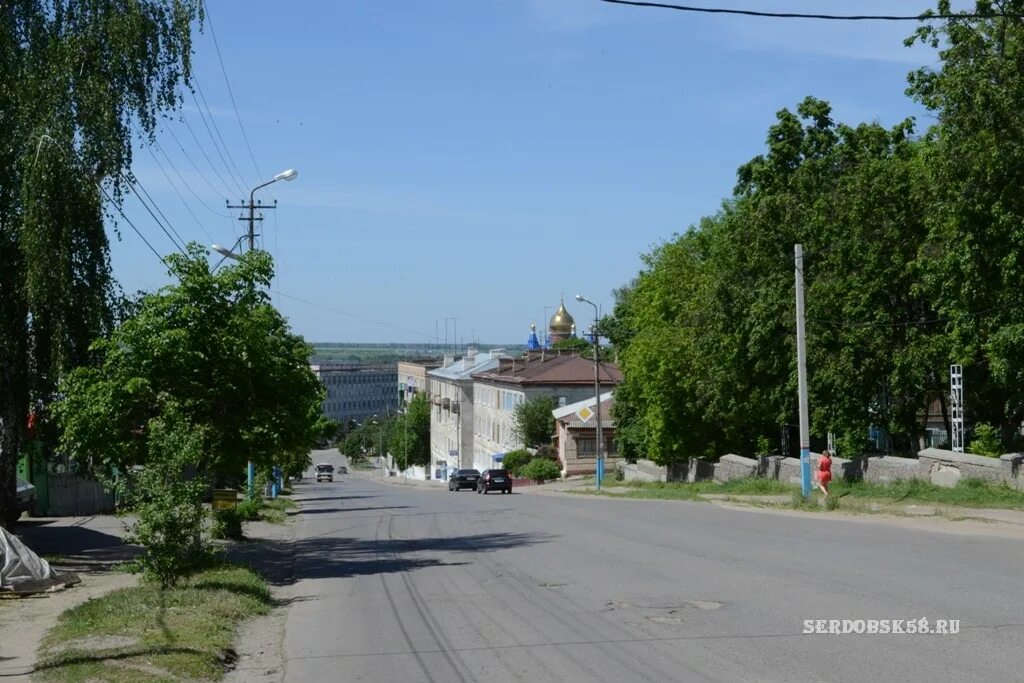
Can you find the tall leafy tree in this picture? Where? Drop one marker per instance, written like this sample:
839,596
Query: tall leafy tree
410,434
213,351
76,75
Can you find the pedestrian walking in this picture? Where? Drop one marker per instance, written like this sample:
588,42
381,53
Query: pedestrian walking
824,471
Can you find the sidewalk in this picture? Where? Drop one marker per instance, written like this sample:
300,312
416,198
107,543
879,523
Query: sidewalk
88,546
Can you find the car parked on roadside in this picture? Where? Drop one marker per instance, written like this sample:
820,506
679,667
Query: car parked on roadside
494,480
463,479
25,495
324,472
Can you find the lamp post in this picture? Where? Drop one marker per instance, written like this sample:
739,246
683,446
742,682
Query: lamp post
599,474
290,174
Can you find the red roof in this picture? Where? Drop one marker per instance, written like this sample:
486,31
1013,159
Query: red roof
553,369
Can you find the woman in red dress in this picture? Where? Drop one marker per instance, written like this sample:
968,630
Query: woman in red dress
825,472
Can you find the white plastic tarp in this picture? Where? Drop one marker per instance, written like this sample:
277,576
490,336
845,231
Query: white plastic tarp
22,571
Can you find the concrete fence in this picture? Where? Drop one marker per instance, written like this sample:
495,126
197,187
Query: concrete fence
940,467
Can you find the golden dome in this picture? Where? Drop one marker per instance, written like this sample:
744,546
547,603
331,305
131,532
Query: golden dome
561,321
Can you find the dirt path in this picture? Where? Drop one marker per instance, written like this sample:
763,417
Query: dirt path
25,621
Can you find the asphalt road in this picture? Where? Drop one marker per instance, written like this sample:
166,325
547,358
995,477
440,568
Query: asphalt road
402,583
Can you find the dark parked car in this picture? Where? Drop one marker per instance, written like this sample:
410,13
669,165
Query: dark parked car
494,480
463,479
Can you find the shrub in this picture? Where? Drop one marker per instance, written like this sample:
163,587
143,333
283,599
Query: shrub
249,508
541,470
227,523
986,441
515,461
168,504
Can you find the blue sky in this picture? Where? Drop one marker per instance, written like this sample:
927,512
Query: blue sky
474,159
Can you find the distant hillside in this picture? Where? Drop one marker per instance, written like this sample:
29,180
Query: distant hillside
386,353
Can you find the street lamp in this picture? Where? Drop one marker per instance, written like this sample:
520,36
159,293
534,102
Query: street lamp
289,174
599,474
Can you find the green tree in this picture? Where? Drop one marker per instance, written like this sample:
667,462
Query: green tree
76,76
214,348
410,437
533,422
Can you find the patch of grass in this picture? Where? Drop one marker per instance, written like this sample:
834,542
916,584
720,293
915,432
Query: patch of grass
686,491
275,510
148,634
975,493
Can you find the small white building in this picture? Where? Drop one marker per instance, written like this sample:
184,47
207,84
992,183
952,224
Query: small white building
576,436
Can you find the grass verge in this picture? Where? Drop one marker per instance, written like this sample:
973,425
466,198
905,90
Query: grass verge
969,493
674,490
275,510
148,634
972,493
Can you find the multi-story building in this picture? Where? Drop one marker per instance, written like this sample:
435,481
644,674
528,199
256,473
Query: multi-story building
356,392
412,377
496,393
451,414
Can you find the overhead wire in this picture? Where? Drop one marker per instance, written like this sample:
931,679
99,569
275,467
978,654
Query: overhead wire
130,223
193,163
355,316
168,229
206,156
174,187
167,158
222,150
231,94
925,16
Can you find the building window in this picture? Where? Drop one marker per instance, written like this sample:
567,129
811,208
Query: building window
586,447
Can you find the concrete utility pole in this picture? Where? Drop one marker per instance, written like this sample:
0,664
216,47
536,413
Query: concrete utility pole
956,403
801,369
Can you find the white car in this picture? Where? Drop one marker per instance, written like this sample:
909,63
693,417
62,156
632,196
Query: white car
324,472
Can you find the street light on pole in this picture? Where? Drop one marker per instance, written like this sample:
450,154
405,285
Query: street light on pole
599,474
290,174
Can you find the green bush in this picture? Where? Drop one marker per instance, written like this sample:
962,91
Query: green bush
986,441
515,461
227,523
249,508
541,470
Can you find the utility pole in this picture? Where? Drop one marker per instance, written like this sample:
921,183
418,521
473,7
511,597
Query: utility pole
599,470
956,403
251,219
801,369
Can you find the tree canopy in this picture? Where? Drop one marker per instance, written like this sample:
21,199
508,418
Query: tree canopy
914,250
76,77
213,350
533,422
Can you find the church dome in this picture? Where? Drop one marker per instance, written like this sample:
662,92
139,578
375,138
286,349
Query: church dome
561,321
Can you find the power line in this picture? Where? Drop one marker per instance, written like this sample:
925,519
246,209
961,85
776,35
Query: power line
135,185
353,315
129,221
206,156
926,16
194,165
177,192
225,156
174,168
231,94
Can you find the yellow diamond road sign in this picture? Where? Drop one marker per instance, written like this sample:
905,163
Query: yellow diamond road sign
584,413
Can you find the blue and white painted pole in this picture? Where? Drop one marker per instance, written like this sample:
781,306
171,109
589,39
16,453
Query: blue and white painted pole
250,478
801,364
